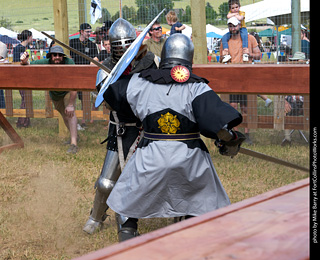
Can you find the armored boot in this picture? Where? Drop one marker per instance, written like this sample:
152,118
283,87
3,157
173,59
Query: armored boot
97,215
127,233
127,227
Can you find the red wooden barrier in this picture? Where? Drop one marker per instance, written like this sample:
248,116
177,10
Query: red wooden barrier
273,225
250,79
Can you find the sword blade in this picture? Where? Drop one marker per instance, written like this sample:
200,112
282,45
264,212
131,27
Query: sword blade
79,53
271,159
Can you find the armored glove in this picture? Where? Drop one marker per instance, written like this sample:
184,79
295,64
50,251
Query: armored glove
229,142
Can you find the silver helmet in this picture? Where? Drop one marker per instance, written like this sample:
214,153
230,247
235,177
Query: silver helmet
177,50
121,35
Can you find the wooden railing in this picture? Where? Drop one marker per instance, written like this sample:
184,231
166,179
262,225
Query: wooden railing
250,79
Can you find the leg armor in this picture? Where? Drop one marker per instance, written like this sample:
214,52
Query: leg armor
127,227
104,185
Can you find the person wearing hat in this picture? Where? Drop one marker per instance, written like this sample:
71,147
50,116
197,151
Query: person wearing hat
84,45
106,26
236,53
64,101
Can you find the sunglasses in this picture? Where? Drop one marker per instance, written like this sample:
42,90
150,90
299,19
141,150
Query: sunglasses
156,28
57,54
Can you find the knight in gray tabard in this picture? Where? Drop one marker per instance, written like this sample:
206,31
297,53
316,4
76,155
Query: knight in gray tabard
171,173
124,130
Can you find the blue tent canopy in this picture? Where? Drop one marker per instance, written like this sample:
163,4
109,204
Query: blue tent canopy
213,35
8,40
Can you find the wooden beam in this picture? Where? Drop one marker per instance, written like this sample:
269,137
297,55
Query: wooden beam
273,225
198,18
60,15
15,138
246,79
256,79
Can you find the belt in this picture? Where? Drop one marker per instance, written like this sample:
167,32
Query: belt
172,137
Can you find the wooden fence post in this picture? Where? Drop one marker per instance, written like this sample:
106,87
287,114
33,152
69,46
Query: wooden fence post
252,112
60,15
9,102
198,18
278,112
49,107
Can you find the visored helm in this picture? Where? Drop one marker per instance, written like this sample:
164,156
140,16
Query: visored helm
177,50
121,35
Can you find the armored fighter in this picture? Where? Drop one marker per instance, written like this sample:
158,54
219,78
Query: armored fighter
171,173
124,129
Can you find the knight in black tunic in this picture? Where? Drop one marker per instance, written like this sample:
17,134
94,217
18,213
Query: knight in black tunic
124,128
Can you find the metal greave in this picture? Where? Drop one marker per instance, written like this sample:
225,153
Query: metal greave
109,175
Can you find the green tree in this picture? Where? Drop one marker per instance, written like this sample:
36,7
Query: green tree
129,14
150,8
211,14
223,10
105,15
5,22
186,18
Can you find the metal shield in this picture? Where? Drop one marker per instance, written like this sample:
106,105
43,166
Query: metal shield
124,61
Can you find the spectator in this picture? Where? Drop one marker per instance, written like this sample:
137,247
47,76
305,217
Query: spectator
305,43
103,55
100,34
106,26
260,45
234,7
172,20
293,107
64,101
26,38
235,51
106,51
3,56
84,45
156,42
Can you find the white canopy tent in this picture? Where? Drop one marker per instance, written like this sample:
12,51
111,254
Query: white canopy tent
187,31
37,35
4,31
279,12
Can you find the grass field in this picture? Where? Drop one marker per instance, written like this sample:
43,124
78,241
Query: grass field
39,14
46,195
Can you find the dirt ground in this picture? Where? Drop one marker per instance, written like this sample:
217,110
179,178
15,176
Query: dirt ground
46,195
43,218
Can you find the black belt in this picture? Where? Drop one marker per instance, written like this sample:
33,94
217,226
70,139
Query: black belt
172,137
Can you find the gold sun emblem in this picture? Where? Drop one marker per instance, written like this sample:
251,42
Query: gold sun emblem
180,74
168,123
